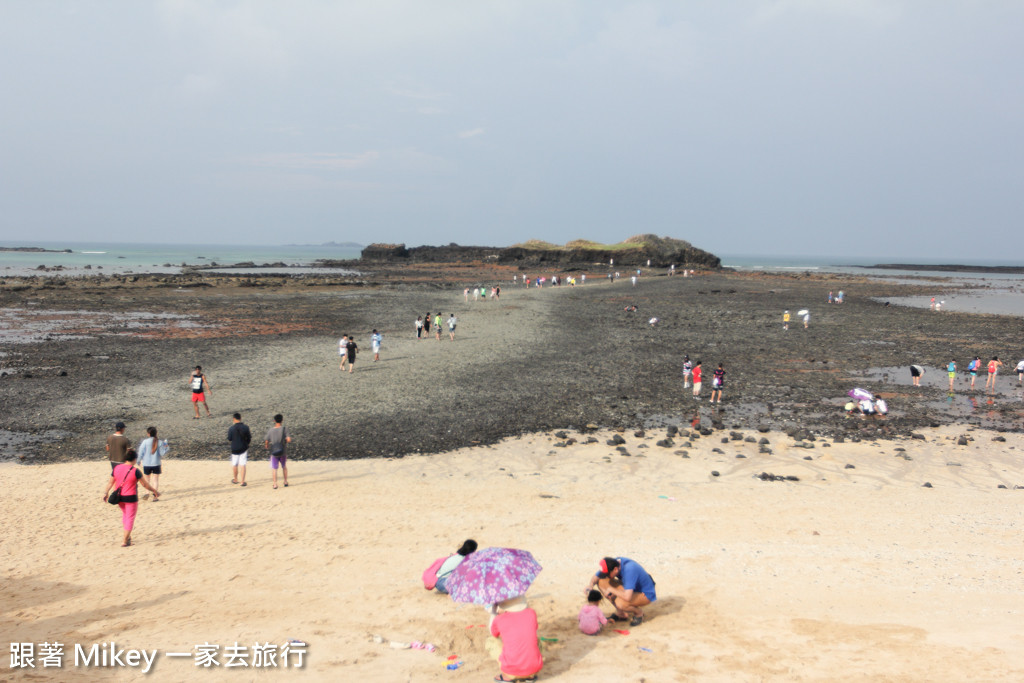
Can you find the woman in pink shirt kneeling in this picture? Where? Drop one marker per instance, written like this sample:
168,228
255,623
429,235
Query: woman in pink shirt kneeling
516,624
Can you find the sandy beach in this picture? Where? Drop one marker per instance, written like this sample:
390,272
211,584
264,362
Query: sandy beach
855,572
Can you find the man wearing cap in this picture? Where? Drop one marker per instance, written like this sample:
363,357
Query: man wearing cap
627,586
117,445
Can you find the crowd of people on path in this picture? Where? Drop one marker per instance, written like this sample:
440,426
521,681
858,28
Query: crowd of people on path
131,467
423,325
514,628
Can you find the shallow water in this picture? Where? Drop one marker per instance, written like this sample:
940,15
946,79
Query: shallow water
13,445
1008,301
24,326
1001,408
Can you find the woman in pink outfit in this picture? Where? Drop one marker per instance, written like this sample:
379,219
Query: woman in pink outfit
126,477
516,626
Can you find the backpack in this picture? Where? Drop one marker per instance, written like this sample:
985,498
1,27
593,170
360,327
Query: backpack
430,573
973,365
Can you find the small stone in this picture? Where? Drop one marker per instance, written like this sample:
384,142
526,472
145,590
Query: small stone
849,467
807,457
750,439
725,440
561,435
559,444
915,435
953,464
618,439
1001,486
927,485
962,441
672,431
740,456
763,441
718,450
735,436
1000,439
666,443
714,473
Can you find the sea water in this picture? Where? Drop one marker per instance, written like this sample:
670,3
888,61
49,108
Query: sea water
960,290
120,258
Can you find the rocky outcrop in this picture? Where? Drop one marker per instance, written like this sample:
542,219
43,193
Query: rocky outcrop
636,251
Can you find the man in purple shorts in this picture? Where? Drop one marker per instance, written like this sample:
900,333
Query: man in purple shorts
275,442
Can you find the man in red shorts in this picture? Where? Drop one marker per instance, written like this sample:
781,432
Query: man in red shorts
197,381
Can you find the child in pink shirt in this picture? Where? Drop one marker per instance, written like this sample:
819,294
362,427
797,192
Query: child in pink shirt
591,617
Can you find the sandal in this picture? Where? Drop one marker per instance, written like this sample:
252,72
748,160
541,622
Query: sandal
637,620
234,481
616,617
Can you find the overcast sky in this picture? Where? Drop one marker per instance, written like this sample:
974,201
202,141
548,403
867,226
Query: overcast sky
865,128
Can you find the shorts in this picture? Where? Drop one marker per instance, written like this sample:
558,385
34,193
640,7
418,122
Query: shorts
152,469
375,348
239,459
914,372
952,375
696,387
278,461
199,397
114,464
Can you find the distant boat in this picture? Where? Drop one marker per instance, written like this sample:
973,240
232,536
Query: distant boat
94,252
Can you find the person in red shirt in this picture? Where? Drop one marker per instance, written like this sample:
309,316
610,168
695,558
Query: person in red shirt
696,380
516,625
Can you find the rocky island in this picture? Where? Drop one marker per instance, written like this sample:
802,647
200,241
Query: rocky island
640,250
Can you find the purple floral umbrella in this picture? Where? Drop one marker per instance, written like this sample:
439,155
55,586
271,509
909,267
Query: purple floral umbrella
492,575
